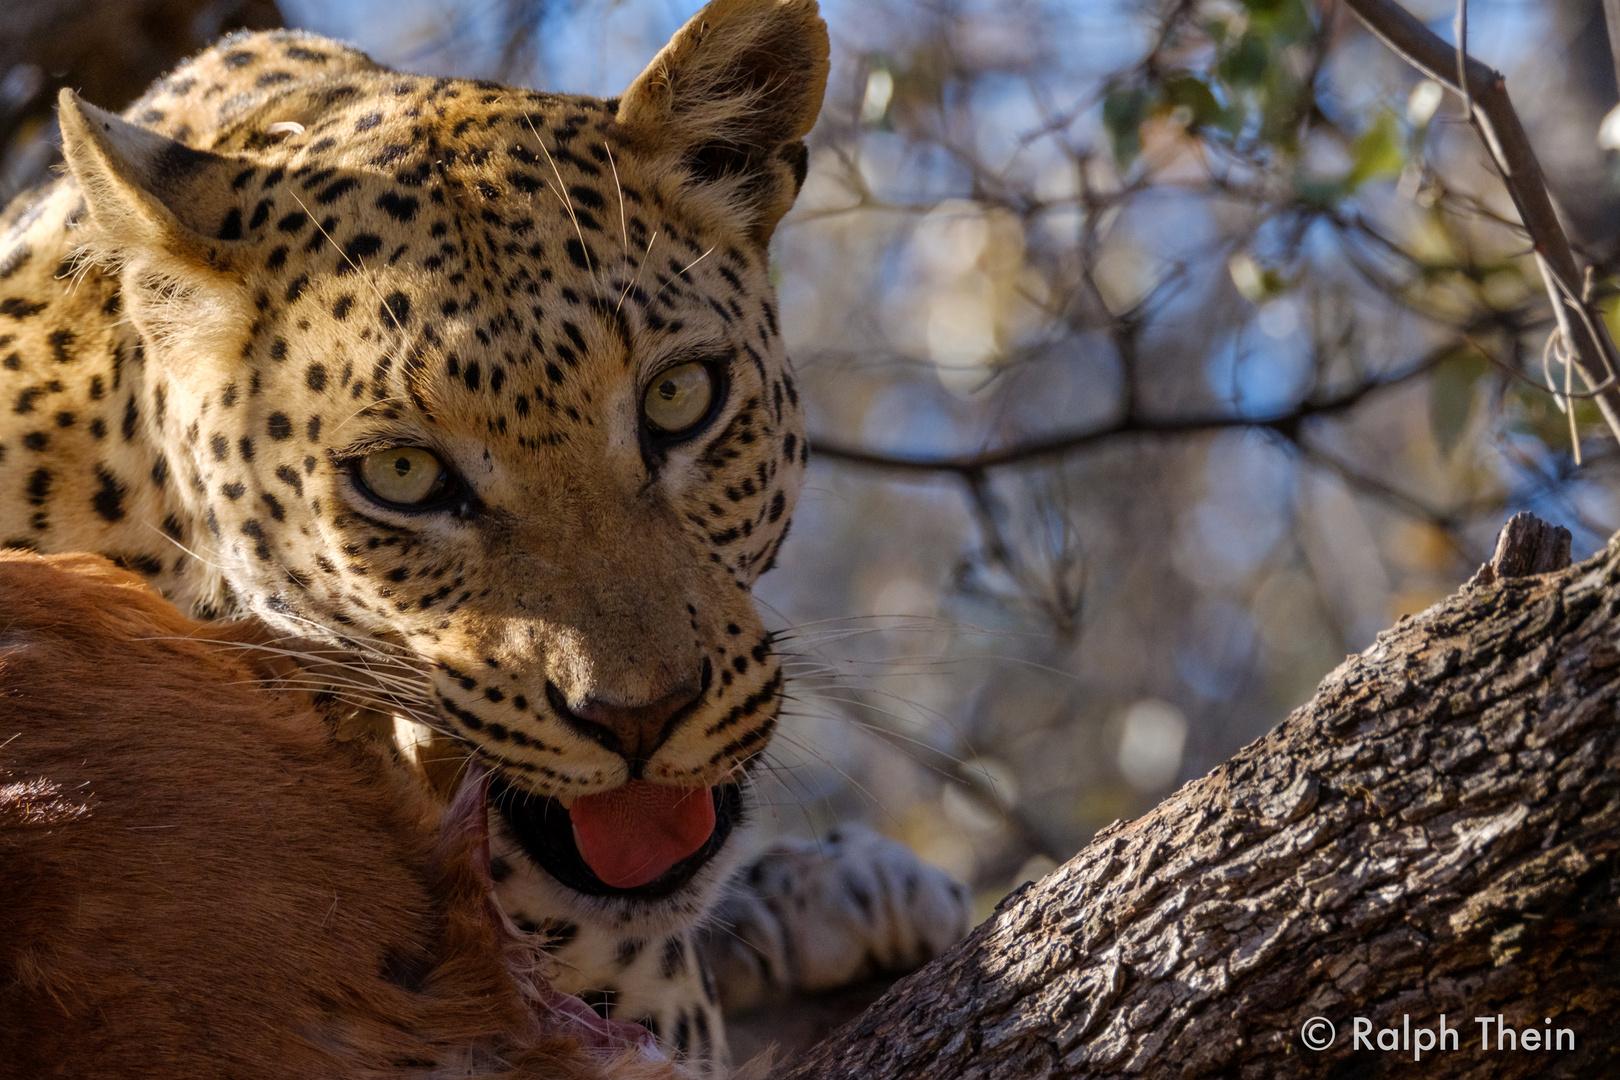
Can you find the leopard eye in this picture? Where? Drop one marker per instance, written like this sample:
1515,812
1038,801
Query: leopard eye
678,398
405,475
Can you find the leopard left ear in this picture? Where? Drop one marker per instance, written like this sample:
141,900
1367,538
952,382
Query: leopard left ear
731,98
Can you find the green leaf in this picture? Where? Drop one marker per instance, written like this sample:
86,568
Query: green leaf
1123,113
1232,119
1533,412
1182,90
1258,283
1609,307
1284,21
1451,395
1245,64
1379,152
1320,191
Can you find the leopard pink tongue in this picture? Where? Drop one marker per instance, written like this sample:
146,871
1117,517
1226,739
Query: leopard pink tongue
632,834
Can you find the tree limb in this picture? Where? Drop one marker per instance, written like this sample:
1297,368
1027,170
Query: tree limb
1286,424
1437,831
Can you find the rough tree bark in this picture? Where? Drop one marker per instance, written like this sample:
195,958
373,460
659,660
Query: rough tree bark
1435,832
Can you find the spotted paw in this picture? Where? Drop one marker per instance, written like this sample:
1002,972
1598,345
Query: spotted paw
815,915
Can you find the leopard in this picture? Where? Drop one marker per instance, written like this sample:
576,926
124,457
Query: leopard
481,390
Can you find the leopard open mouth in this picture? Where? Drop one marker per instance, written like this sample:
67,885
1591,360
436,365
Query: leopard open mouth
543,828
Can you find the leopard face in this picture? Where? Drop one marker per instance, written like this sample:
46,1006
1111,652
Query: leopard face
489,375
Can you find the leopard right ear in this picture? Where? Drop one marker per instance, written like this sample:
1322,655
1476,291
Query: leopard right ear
163,213
729,101
145,190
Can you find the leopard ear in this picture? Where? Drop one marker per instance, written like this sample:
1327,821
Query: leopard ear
163,213
730,98
145,190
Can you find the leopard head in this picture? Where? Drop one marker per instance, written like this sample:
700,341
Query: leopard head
496,376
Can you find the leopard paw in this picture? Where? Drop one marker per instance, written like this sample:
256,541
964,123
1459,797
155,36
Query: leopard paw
809,916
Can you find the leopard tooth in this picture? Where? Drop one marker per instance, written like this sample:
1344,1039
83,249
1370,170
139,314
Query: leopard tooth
567,801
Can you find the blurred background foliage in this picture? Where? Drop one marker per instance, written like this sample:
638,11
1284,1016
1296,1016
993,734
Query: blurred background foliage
1159,353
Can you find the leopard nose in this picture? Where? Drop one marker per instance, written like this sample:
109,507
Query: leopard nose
634,732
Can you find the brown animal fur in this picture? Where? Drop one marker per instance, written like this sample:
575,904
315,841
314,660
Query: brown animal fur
195,881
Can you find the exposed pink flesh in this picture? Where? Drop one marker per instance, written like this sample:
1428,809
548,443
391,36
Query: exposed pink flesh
468,814
634,833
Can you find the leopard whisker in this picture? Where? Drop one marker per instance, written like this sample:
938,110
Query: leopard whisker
194,554
397,686
918,750
932,662
359,700
377,664
358,267
310,679
637,275
790,777
376,645
567,200
307,656
819,672
682,272
83,262
856,702
361,694
409,691
624,222
840,628
804,748
313,677
404,689
362,410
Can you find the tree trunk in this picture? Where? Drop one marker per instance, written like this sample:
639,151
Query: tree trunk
1433,833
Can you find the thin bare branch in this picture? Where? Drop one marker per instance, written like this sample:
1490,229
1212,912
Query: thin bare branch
1057,446
1509,147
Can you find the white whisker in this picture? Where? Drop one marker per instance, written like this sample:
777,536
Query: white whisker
357,267
562,194
637,276
680,273
624,221
195,555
